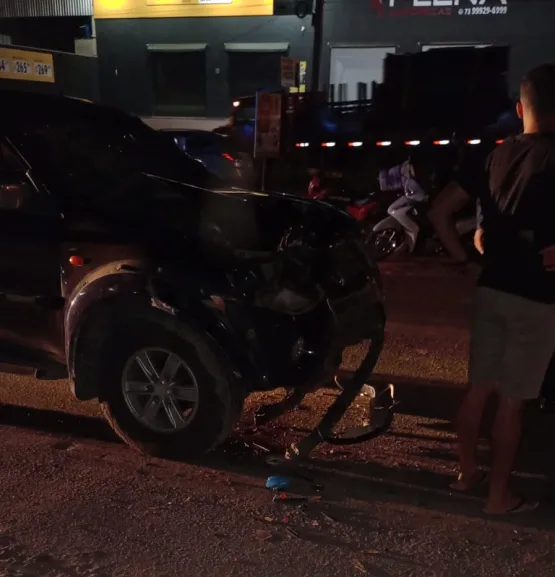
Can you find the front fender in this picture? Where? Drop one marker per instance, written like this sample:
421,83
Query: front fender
105,284
134,288
387,222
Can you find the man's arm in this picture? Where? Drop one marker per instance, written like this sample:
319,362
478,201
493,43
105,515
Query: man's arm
479,234
446,205
479,215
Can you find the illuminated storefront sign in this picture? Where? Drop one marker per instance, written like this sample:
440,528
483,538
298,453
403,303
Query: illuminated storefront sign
181,8
440,7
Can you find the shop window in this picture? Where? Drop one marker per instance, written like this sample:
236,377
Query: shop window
426,47
249,72
353,70
179,82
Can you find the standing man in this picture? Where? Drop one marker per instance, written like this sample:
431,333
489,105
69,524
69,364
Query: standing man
513,329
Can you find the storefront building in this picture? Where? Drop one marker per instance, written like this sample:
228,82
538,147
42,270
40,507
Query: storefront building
48,46
176,58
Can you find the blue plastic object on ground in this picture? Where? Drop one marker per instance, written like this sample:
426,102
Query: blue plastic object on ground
277,482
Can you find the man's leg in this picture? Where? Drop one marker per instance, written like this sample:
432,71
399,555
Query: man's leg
506,439
442,213
547,394
487,349
530,346
469,420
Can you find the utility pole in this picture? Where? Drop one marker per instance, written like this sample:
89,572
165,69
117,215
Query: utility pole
318,25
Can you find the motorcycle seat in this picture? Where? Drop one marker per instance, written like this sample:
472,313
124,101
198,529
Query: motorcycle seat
363,201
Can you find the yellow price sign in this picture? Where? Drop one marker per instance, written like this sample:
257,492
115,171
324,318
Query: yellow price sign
25,65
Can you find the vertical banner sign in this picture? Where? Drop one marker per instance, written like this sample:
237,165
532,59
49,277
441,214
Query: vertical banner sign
267,139
302,76
25,65
288,68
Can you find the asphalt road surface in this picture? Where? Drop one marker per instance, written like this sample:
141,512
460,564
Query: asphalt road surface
75,502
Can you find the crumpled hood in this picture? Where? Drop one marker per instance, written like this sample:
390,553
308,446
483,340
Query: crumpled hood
247,221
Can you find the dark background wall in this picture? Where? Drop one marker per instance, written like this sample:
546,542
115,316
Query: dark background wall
528,27
56,33
125,75
74,75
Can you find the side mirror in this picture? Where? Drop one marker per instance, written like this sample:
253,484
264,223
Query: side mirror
15,190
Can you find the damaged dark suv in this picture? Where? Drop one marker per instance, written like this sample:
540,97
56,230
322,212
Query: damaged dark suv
165,295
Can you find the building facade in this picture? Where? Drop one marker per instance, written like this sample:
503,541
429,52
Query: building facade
48,46
45,24
170,58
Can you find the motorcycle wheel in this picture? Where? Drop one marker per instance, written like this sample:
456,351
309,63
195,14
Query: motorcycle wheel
385,242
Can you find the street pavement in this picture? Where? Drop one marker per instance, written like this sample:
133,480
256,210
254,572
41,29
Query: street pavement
76,502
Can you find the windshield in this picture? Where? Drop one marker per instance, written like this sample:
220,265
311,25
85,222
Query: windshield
100,154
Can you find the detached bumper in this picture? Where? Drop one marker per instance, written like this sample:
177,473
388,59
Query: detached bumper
359,316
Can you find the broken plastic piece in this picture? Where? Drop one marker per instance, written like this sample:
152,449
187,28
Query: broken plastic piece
285,498
277,482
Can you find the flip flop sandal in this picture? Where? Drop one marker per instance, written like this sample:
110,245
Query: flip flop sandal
478,480
522,506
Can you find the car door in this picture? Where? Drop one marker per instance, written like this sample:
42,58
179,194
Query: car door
31,307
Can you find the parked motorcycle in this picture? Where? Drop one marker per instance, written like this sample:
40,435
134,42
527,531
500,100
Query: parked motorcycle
367,209
406,226
389,236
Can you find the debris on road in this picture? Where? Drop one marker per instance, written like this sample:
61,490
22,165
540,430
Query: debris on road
358,565
275,460
262,535
292,532
276,482
285,498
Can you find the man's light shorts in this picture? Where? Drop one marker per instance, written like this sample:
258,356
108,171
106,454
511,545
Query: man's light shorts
512,342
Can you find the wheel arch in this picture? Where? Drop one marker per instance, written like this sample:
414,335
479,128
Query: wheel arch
387,222
83,343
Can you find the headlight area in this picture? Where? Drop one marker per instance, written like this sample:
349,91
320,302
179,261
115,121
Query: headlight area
348,270
286,285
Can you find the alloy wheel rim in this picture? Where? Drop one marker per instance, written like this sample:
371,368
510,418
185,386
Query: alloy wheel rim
386,241
160,390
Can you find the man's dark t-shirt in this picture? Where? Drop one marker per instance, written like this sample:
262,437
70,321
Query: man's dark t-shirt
516,190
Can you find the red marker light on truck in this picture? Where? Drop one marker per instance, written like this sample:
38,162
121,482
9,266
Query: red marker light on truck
383,143
355,144
441,142
76,260
228,156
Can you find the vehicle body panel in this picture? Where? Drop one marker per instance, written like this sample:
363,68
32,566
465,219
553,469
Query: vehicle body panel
217,154
289,271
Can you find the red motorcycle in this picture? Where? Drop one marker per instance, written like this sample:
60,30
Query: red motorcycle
366,210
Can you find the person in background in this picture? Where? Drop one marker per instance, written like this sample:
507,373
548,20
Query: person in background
402,177
513,328
453,198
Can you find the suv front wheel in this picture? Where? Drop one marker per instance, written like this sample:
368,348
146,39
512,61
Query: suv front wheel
164,391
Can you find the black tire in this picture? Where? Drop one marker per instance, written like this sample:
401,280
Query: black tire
220,400
378,249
